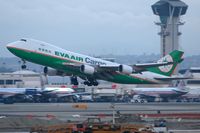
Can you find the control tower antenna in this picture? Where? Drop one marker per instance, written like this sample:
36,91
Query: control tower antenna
169,12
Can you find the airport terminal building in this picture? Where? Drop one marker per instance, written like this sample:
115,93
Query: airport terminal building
20,79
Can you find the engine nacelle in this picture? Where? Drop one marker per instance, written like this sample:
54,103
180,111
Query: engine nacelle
125,69
87,69
53,72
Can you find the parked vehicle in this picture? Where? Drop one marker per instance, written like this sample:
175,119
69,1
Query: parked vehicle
138,99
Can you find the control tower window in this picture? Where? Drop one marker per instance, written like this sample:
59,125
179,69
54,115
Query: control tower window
24,40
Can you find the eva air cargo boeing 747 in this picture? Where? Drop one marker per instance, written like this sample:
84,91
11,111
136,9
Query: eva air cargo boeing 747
92,69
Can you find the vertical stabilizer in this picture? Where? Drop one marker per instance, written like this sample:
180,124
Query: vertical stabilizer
167,70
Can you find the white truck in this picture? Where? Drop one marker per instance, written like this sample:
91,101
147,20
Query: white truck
138,99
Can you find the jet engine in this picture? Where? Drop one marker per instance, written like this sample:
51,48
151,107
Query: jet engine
125,69
52,72
87,69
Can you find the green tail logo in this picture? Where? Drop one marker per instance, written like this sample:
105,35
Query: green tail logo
167,70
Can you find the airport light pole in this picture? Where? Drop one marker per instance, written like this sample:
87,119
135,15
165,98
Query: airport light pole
113,113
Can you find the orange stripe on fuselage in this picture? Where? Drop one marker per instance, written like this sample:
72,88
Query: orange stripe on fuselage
46,55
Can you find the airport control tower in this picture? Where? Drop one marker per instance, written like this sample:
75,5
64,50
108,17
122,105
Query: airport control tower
169,12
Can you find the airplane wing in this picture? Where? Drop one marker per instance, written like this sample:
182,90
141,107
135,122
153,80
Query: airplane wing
143,67
148,65
6,96
137,68
47,91
99,67
11,95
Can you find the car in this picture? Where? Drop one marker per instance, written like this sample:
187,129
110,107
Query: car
138,99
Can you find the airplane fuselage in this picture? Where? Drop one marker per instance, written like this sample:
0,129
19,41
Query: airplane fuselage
49,55
165,92
59,92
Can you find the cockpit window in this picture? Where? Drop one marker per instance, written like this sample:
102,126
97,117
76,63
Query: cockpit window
24,40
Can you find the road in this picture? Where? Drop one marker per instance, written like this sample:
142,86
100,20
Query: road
65,111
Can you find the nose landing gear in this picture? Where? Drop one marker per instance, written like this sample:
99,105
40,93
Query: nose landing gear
23,66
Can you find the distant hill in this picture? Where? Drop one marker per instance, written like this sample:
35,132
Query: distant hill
8,64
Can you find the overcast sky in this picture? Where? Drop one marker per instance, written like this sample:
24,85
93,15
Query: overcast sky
93,27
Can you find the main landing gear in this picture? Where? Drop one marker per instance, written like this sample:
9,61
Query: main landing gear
90,82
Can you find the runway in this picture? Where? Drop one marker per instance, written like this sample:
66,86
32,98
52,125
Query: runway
65,111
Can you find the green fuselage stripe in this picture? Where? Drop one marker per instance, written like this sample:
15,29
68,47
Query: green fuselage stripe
57,63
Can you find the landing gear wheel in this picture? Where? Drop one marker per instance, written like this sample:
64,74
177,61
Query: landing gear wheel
91,82
87,83
95,83
45,70
23,67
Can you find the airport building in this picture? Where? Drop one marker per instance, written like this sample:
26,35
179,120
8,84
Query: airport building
194,72
20,79
169,12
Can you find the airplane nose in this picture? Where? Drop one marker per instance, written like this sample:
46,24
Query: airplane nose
17,44
16,47
13,45
9,46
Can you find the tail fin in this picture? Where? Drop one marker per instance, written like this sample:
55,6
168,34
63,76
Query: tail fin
181,85
175,57
178,83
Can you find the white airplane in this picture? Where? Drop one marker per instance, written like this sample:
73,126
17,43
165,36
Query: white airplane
9,92
91,69
163,92
59,92
10,95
